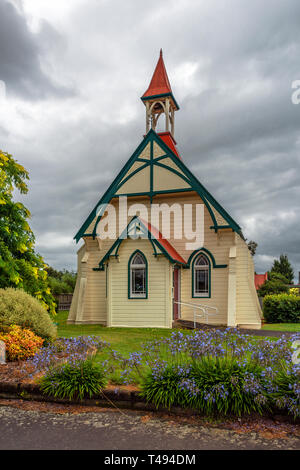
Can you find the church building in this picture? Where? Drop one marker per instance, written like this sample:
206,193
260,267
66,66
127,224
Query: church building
158,247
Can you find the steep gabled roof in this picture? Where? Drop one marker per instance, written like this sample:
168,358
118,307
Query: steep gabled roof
143,229
178,168
155,233
159,84
169,141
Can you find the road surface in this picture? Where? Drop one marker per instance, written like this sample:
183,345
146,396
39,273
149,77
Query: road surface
111,429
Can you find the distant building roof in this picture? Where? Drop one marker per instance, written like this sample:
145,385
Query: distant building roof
259,279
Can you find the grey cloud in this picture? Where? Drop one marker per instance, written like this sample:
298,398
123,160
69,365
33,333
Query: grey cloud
20,56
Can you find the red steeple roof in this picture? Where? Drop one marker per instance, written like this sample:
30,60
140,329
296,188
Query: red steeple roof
159,82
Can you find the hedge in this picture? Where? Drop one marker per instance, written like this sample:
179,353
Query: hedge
281,308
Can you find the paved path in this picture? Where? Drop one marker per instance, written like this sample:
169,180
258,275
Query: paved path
111,430
201,326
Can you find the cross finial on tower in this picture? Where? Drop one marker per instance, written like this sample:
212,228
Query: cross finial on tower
158,98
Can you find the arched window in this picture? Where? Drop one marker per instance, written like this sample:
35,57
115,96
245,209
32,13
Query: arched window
201,276
137,276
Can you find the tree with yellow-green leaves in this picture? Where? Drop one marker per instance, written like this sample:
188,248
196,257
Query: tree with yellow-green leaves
20,266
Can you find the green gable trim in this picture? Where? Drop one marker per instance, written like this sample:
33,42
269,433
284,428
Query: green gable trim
187,176
107,196
129,277
162,95
131,174
151,171
156,193
210,255
197,186
155,243
183,177
218,227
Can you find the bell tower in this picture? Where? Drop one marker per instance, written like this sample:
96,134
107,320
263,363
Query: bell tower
159,99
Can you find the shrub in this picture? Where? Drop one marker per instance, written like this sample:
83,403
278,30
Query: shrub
19,308
75,380
20,343
286,389
275,284
282,308
224,385
76,348
209,384
161,385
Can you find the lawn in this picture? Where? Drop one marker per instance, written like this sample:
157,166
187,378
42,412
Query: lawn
123,340
294,327
128,340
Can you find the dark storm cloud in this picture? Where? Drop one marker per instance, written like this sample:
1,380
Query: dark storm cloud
20,53
237,128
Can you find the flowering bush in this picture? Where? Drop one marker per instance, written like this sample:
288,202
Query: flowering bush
213,370
75,380
20,343
72,349
161,386
209,384
286,389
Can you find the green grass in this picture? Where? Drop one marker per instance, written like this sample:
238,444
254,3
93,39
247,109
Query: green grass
123,340
282,326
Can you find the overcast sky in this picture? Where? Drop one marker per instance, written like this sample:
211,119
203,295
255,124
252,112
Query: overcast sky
72,74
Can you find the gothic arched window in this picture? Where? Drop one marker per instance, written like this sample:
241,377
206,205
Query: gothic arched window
201,276
137,276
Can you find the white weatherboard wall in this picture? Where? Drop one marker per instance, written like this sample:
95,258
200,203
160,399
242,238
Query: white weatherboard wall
249,313
156,310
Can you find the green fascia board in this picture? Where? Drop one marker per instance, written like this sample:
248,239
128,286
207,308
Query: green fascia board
193,181
119,240
162,95
220,227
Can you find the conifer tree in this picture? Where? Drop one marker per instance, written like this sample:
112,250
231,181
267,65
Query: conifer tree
284,267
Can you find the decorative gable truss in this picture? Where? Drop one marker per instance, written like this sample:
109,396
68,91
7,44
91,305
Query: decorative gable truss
137,228
155,169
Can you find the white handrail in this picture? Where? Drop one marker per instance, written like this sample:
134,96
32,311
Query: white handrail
202,307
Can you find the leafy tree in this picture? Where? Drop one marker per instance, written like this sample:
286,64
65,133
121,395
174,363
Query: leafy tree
284,267
61,282
69,278
20,265
57,286
53,273
275,284
252,247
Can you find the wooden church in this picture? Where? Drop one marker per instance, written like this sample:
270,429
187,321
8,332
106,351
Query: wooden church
140,277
